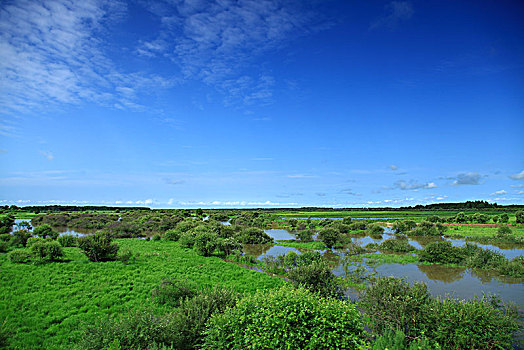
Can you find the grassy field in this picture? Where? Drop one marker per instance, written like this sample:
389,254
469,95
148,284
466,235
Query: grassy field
46,305
476,231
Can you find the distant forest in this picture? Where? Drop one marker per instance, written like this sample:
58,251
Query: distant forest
436,206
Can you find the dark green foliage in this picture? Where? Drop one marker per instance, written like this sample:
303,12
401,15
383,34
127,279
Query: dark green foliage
397,245
172,235
98,247
305,235
206,243
346,220
495,218
138,330
194,313
156,237
125,255
45,231
4,335
504,218
442,252
503,231
357,225
519,216
253,235
21,256
403,226
20,237
375,229
281,263
397,340
67,241
47,251
187,239
6,223
172,291
329,236
229,245
392,303
5,237
285,319
4,247
317,278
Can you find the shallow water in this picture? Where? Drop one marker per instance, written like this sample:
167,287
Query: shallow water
279,234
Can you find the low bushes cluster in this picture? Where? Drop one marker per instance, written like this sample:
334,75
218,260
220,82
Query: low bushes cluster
67,240
171,291
394,304
397,245
285,319
98,247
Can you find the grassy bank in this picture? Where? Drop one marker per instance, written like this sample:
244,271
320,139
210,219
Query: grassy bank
45,305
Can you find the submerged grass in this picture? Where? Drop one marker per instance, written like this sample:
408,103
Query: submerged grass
315,245
475,231
45,305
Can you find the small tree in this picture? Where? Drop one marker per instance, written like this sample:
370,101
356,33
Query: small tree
329,236
44,231
504,218
206,243
519,215
98,247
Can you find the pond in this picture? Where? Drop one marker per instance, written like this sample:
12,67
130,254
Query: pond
61,230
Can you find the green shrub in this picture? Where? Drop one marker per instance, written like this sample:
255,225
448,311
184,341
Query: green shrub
519,217
305,235
171,292
67,241
253,235
317,278
397,340
138,330
391,303
20,256
125,255
357,225
5,237
503,231
33,240
172,235
442,252
4,334
206,243
397,245
229,245
98,247
504,218
187,239
374,230
329,236
473,324
285,319
45,231
156,238
47,251
194,313
4,247
20,237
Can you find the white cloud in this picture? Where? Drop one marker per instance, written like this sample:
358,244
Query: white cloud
393,167
471,178
48,155
414,185
519,176
499,193
51,54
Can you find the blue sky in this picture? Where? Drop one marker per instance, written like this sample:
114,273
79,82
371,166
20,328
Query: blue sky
264,103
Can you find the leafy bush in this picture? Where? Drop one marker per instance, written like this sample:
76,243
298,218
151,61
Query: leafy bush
357,225
503,231
156,238
317,278
125,255
172,291
253,235
442,252
229,245
4,247
397,340
187,239
139,330
391,303
285,319
375,229
98,247
397,245
20,237
172,235
67,241
20,256
47,251
305,235
206,243
44,231
403,226
504,218
519,216
329,236
194,313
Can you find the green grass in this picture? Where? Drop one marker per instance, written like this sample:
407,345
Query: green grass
316,245
46,305
472,231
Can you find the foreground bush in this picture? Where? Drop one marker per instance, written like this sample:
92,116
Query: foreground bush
172,291
98,247
194,313
285,319
442,252
67,241
45,231
20,256
392,303
47,251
